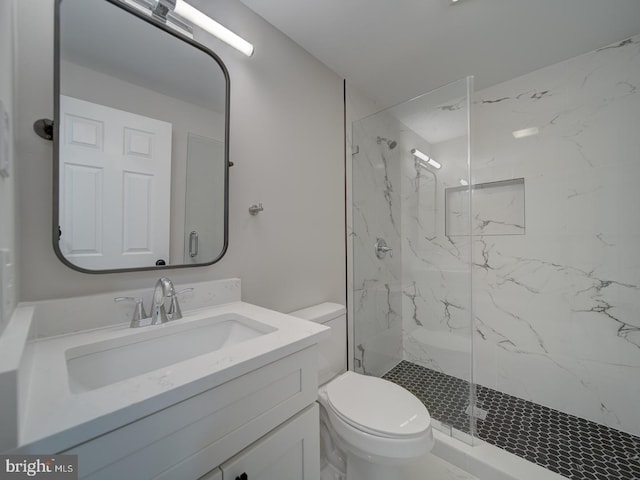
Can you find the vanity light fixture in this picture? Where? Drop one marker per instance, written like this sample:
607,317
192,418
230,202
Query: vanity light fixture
183,10
525,132
424,158
435,164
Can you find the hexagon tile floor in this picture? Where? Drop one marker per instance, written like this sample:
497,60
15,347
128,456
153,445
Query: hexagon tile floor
573,447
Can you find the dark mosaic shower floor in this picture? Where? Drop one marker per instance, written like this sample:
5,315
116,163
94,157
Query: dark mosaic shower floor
573,447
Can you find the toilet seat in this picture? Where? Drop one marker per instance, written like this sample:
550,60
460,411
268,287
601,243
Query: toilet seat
377,407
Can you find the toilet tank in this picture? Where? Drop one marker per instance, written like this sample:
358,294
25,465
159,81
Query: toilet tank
332,359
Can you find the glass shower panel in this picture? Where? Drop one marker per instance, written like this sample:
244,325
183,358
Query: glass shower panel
412,251
377,226
556,285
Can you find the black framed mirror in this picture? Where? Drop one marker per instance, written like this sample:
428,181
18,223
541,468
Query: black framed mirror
141,141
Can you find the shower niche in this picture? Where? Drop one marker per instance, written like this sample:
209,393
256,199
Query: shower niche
498,209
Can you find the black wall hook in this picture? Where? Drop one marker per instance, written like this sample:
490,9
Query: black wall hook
44,128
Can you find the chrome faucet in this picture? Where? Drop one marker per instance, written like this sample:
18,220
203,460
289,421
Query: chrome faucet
165,293
164,305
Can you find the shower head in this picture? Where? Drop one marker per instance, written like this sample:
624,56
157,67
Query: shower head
390,143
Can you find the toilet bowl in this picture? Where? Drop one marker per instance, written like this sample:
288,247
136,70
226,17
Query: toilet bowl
380,426
372,425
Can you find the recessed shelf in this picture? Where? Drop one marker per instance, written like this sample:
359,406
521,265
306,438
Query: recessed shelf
497,209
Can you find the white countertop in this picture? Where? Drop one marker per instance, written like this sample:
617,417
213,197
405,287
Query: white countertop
53,419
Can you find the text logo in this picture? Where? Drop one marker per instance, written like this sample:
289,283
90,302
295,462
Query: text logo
50,467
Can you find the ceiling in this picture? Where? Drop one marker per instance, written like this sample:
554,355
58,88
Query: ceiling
394,50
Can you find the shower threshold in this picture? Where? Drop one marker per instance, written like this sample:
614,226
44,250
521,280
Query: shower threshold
573,447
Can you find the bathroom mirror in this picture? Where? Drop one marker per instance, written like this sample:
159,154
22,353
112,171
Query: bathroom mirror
141,141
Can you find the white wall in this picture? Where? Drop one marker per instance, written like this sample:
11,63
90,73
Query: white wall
287,146
8,228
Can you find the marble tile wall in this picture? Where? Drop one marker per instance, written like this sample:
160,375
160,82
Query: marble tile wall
394,199
376,213
357,106
436,266
556,307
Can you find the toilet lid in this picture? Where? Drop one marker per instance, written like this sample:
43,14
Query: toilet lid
377,406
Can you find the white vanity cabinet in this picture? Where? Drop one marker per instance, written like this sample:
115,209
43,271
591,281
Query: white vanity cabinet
263,423
213,475
290,452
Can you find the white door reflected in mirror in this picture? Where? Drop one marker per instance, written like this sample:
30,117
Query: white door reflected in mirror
115,179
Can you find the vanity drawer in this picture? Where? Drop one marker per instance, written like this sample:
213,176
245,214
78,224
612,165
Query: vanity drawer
224,420
289,452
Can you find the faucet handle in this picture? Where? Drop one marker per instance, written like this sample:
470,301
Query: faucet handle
138,312
175,313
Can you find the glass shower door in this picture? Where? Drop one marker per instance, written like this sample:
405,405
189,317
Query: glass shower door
411,223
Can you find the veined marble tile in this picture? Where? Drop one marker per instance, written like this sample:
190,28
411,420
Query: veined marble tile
586,389
438,350
555,310
376,213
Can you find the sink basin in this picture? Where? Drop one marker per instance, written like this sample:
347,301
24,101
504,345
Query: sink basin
141,351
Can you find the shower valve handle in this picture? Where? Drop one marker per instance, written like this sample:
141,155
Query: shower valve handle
382,249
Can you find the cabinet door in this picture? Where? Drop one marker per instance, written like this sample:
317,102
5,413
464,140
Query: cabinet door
290,452
214,474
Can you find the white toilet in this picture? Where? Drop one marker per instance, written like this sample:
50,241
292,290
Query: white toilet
374,426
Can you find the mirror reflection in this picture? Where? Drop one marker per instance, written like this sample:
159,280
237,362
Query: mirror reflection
142,123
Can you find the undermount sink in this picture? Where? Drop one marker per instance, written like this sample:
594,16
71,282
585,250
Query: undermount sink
103,363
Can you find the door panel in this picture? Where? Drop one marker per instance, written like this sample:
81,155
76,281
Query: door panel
115,186
137,189
84,190
290,452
